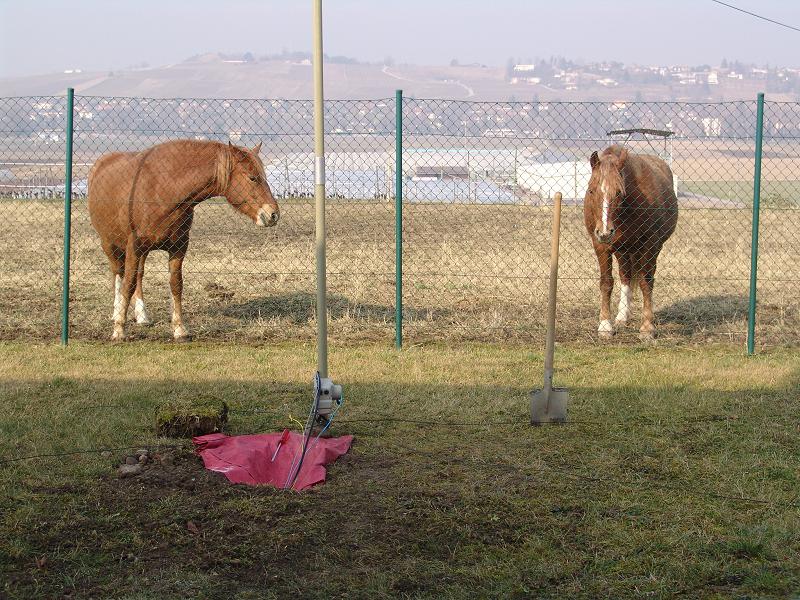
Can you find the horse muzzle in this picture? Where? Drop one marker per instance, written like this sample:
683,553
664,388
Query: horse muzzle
604,238
267,217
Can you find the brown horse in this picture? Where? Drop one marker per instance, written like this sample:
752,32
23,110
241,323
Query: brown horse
144,201
630,210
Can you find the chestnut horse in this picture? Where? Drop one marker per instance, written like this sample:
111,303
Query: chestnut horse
629,210
144,201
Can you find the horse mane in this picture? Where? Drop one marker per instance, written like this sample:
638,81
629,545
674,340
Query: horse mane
612,161
224,167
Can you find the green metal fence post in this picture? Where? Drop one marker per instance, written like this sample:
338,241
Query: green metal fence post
67,219
751,313
398,221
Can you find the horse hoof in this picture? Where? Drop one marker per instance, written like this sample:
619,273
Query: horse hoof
605,335
147,322
183,339
648,337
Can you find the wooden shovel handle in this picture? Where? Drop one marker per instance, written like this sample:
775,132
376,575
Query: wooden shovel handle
551,299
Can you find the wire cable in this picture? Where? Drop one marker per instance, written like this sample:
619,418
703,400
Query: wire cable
86,451
752,14
307,449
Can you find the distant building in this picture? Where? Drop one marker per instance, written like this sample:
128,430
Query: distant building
712,126
528,80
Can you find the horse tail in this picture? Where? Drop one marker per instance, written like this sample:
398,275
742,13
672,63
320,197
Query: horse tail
634,283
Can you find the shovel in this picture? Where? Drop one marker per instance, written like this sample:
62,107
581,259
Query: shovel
549,405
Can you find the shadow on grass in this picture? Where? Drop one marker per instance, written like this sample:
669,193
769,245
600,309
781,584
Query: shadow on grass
703,312
414,509
299,308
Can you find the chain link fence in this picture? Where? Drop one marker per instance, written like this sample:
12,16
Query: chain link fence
478,179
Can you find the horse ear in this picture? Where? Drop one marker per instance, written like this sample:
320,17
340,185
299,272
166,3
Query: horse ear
623,156
594,159
257,149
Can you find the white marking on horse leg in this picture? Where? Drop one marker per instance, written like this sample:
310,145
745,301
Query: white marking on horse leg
178,330
117,297
624,312
118,317
140,311
605,329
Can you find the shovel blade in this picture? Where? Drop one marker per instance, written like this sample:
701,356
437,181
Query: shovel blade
549,406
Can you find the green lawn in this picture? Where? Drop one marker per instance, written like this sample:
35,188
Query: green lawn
679,475
774,194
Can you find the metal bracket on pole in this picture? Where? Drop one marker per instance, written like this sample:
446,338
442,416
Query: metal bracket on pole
319,170
330,395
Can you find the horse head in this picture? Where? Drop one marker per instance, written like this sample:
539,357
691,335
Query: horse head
606,191
242,181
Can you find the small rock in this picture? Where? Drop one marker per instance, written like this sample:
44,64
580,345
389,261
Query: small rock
131,460
143,459
129,470
105,453
167,459
143,452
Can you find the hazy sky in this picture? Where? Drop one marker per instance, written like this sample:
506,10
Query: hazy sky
39,36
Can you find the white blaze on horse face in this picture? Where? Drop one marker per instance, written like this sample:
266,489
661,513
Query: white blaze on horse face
624,311
604,191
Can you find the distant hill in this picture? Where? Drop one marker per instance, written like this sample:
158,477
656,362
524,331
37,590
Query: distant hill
218,76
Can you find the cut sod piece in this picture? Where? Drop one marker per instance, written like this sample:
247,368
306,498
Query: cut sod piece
188,419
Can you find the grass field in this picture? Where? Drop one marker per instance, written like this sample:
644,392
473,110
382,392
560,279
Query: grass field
678,475
774,194
471,272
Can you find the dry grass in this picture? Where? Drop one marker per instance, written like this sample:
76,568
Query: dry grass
470,272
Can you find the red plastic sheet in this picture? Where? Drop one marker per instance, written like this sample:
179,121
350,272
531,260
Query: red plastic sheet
248,458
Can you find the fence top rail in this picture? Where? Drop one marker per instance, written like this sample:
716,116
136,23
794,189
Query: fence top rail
387,99
406,99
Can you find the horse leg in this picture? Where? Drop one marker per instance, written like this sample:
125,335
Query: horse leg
625,276
139,309
116,261
176,285
604,259
647,331
126,289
